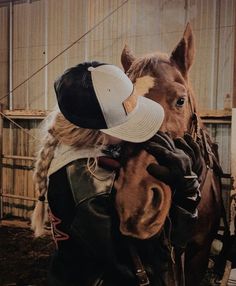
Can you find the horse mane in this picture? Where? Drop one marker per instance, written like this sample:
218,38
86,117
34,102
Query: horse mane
147,65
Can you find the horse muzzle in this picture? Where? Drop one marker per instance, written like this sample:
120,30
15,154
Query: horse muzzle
147,220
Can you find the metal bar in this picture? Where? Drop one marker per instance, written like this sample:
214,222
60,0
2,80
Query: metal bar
19,157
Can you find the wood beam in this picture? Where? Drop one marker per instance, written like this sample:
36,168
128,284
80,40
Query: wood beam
41,114
26,114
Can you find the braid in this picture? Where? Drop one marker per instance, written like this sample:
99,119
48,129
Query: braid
43,162
58,131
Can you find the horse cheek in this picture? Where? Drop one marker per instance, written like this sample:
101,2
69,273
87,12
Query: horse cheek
173,124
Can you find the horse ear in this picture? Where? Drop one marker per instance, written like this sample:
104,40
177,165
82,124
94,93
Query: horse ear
183,54
127,58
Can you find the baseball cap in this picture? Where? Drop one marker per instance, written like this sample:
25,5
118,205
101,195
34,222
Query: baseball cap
101,96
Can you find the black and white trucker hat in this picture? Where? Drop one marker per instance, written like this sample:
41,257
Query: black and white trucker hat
101,96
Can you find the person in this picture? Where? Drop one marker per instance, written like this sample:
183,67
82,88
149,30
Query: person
98,112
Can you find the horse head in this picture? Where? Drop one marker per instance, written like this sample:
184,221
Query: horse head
165,80
142,201
171,86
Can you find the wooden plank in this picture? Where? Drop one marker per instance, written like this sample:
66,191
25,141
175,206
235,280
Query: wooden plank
221,113
26,114
15,223
36,55
20,54
225,57
35,114
4,51
7,1
19,197
216,121
18,157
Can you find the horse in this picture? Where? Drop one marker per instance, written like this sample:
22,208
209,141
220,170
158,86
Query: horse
172,89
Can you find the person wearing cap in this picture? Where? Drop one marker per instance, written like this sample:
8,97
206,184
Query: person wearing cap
99,109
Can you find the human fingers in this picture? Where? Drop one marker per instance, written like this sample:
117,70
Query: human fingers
160,139
180,143
168,138
179,163
194,145
162,154
164,140
159,172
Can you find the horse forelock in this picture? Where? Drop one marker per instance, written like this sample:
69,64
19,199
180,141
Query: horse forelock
147,65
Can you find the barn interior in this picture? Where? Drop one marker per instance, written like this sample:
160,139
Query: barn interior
40,39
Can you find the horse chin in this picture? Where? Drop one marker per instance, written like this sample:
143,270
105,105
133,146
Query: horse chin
148,222
141,231
145,228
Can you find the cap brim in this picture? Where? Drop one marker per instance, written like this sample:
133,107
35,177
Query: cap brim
142,124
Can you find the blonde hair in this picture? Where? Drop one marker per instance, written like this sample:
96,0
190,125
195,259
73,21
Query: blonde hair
57,130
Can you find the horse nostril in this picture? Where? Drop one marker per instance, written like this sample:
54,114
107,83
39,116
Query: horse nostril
121,209
131,224
156,200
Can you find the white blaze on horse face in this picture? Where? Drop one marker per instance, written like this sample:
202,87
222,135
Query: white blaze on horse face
141,87
143,84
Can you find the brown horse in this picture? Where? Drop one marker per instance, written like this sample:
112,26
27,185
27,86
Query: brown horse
172,90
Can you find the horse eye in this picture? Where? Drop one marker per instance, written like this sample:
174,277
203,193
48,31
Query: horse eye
180,102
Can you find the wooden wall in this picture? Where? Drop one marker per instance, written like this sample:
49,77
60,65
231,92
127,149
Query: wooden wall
4,68
17,173
41,29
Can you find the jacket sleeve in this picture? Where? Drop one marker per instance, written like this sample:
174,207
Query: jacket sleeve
92,227
92,223
182,222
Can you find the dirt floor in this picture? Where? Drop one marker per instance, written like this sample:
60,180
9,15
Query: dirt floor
24,260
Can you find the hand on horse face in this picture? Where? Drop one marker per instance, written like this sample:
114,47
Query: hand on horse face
176,159
192,149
